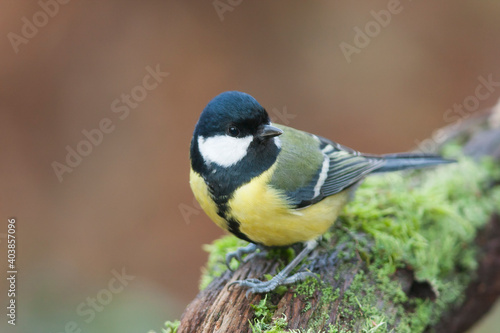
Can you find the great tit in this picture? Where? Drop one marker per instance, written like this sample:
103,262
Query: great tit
272,185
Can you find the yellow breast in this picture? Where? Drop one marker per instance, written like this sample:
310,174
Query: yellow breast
200,191
265,216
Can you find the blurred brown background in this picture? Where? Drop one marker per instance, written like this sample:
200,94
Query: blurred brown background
121,207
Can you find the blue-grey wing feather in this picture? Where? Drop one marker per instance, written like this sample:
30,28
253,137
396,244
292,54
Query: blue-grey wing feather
328,167
345,168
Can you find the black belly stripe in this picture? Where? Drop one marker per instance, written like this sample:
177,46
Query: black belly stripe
233,226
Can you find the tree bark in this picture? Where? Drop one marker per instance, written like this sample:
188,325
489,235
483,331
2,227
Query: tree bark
484,291
222,309
219,308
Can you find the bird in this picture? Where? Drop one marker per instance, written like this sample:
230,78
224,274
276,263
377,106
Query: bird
273,185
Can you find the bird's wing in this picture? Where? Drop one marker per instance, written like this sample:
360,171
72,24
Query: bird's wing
346,166
311,168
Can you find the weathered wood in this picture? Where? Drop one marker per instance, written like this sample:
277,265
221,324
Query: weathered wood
222,309
485,290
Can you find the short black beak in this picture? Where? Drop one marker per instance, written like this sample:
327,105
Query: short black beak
268,131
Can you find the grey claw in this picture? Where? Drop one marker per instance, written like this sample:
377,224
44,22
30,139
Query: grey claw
238,254
282,278
229,257
257,286
248,293
245,283
299,277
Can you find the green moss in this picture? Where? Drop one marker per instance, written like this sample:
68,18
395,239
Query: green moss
311,288
263,321
170,327
426,221
423,220
263,310
286,254
216,264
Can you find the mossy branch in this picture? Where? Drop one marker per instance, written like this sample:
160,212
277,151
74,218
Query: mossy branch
414,252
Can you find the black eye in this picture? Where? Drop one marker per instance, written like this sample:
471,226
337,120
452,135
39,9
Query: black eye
233,131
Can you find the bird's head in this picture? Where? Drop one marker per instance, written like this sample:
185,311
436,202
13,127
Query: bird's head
233,129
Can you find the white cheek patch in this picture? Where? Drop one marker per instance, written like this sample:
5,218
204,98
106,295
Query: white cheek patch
224,150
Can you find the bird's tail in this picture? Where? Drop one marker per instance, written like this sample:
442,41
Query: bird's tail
402,161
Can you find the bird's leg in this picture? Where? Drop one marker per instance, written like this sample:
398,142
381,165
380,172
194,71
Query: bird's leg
250,248
282,278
